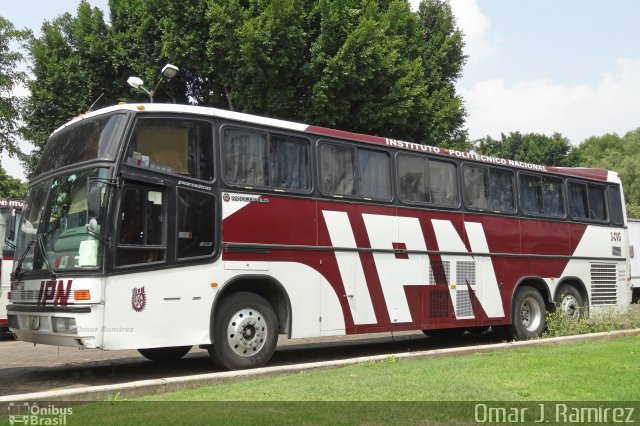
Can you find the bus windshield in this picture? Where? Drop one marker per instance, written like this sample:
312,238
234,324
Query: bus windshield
90,139
56,231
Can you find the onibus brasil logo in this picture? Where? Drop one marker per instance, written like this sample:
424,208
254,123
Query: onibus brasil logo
24,413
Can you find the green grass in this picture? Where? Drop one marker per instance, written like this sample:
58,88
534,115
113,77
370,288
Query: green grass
581,371
593,371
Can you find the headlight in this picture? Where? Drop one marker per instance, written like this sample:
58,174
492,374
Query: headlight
64,325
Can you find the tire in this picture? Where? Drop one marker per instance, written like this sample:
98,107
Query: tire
570,302
528,319
165,354
245,332
444,333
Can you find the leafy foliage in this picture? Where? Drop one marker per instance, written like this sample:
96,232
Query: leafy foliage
621,154
535,148
10,78
11,187
370,66
72,69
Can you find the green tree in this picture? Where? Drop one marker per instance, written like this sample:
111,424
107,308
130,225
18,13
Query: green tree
555,150
620,154
370,66
11,187
72,68
10,78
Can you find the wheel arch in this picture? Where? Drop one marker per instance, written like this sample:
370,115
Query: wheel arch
265,286
536,282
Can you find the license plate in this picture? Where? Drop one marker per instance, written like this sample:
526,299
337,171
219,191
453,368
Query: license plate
33,322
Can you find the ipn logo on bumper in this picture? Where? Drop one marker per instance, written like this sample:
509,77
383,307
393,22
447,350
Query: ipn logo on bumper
24,413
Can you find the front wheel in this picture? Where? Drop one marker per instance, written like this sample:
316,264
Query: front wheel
528,319
165,354
245,332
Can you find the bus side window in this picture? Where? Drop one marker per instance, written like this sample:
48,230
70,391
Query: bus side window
552,197
597,203
615,205
178,146
336,165
530,194
142,228
245,158
196,224
578,200
476,187
374,174
413,178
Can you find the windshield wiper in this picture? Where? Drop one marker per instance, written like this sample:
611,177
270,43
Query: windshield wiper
43,250
24,255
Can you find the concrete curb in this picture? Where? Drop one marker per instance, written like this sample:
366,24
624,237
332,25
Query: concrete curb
171,384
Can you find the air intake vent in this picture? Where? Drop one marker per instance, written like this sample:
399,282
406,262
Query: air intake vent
603,284
440,275
466,273
439,302
463,304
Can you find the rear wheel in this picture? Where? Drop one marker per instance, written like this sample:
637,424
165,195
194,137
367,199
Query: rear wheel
569,301
165,354
245,332
529,314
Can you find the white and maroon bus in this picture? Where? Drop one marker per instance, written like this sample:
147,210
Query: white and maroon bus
159,227
10,211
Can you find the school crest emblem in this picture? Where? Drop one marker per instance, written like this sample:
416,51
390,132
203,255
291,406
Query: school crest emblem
138,299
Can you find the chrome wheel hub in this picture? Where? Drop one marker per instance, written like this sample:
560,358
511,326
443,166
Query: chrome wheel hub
247,332
530,314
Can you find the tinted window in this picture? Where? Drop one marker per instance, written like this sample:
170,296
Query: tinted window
443,183
424,180
615,205
245,158
261,159
597,203
413,179
530,194
501,190
89,139
369,177
488,189
374,176
177,146
142,228
289,163
578,206
587,201
552,197
196,224
541,196
338,171
476,187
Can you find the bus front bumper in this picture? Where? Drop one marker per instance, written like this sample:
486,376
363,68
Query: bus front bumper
71,325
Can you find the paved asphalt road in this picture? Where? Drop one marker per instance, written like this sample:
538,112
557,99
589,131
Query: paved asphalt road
25,368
